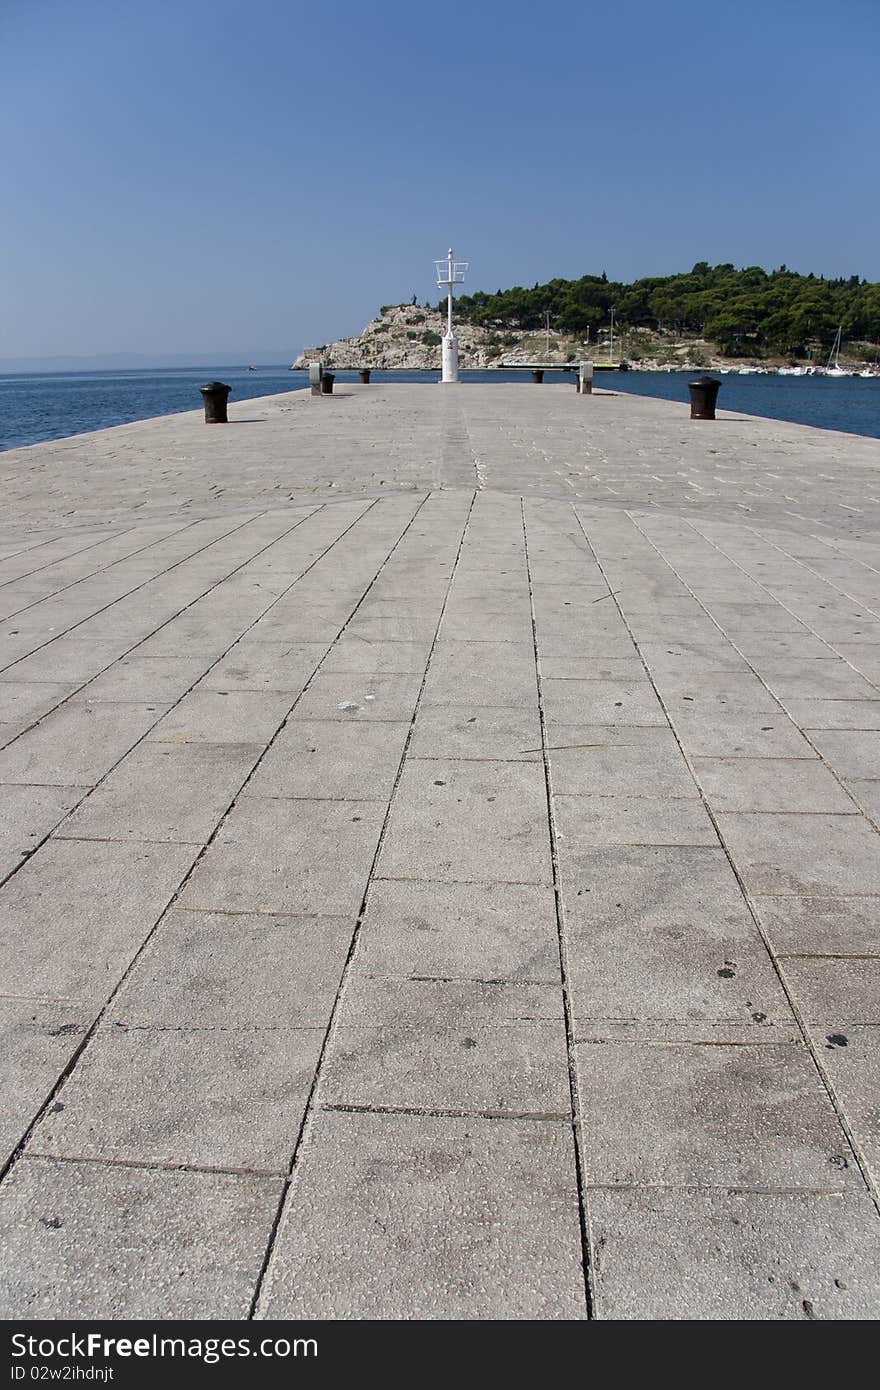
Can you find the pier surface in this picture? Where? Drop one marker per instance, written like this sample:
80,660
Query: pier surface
440,863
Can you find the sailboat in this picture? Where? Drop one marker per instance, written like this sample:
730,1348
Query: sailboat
610,365
832,366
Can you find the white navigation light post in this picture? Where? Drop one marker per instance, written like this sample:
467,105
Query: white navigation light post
449,274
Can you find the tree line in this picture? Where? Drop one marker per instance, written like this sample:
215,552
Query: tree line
742,311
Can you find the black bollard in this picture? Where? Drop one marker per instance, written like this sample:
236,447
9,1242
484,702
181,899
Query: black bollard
365,375
537,377
327,381
215,394
704,392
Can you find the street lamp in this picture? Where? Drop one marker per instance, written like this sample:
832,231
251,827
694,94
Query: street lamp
449,274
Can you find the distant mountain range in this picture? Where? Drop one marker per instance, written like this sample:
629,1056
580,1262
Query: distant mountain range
142,361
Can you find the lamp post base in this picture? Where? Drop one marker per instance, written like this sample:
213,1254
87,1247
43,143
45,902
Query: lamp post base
449,370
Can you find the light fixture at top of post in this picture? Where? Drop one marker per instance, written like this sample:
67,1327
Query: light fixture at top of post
449,274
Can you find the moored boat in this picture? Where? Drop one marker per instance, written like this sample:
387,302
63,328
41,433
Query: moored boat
832,366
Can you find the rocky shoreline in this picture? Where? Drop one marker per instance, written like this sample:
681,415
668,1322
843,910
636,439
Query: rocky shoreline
406,337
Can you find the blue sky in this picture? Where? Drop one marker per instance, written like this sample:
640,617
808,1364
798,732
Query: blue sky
193,177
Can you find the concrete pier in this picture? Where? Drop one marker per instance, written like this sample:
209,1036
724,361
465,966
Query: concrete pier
440,859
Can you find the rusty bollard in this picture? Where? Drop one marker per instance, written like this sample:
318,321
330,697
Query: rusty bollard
704,393
364,375
327,381
215,394
537,377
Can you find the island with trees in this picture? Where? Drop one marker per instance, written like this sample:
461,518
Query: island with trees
708,316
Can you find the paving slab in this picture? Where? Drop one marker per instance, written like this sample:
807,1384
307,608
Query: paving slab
477,732
236,970
474,621
613,760
717,1114
834,714
237,1102
602,702
689,658
866,794
250,665
355,653
223,716
283,856
821,926
816,680
464,672
22,703
464,821
853,754
583,822
663,933
732,732
160,679
27,816
803,855
76,1237
38,1040
105,899
593,667
332,759
475,931
496,1047
851,1061
478,1215
77,744
836,990
351,695
165,791
780,646
388,623
733,618
771,784
728,1256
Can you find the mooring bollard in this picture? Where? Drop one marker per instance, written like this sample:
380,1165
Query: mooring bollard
215,394
364,375
704,393
537,377
327,381
585,379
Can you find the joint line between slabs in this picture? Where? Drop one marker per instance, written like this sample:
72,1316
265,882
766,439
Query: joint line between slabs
444,1113
577,1143
148,1164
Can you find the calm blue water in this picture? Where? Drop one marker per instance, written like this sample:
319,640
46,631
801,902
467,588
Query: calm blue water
849,403
34,408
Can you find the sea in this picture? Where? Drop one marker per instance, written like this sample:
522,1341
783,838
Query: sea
36,407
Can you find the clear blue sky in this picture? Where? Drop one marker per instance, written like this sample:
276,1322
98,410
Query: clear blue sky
184,176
